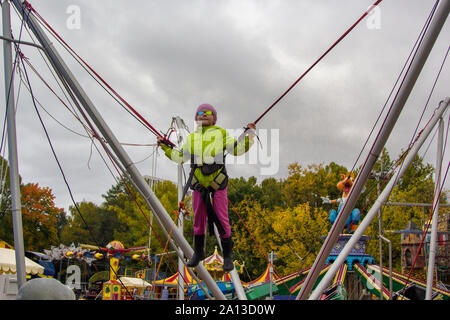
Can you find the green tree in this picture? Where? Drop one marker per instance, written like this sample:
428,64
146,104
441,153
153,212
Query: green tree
134,217
39,217
167,193
302,228
124,217
239,189
272,193
6,227
42,221
307,185
5,196
416,186
133,228
293,233
87,224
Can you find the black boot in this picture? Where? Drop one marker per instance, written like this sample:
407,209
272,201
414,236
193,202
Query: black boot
199,251
227,246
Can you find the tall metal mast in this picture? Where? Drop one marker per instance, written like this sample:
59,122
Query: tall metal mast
378,203
152,201
12,148
396,108
435,217
179,126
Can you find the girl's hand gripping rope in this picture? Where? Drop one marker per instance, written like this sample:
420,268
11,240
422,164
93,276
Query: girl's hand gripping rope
162,140
250,130
182,209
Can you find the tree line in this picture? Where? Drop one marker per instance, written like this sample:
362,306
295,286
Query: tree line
285,215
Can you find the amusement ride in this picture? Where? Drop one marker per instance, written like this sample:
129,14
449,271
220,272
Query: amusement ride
342,269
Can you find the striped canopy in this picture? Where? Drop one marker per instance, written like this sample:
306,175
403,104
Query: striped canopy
8,263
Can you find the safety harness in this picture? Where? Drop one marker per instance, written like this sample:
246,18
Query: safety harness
220,182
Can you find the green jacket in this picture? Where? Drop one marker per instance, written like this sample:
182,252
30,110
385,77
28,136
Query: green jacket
207,145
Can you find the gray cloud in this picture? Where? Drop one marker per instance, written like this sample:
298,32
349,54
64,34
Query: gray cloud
167,57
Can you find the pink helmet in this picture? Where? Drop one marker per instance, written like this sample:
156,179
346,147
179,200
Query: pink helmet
209,107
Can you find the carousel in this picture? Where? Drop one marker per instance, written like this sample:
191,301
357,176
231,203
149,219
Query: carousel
167,288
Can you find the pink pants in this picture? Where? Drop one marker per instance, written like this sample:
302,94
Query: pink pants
220,205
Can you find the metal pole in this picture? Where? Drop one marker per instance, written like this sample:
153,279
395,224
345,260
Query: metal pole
380,232
179,126
435,217
271,274
396,108
238,287
152,186
390,267
143,187
12,148
175,249
409,204
181,228
21,42
379,202
380,243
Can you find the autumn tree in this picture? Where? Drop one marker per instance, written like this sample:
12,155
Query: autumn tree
5,195
308,184
292,233
42,221
89,224
416,186
272,193
133,220
268,193
124,216
283,229
240,188
39,217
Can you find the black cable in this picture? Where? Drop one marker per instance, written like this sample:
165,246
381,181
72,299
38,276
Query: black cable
56,158
54,77
89,134
53,150
416,44
93,77
62,171
413,139
431,92
10,83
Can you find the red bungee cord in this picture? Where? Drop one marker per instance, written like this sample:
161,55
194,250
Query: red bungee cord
318,60
164,139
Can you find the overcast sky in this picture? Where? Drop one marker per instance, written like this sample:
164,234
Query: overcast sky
167,57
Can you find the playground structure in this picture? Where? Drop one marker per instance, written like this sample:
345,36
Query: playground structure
340,253
357,278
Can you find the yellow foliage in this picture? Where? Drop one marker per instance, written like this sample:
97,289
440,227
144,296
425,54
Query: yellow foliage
288,232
